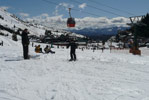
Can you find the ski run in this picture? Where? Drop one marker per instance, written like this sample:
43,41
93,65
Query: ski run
94,76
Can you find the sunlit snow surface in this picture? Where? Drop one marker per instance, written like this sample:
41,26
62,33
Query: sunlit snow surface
94,76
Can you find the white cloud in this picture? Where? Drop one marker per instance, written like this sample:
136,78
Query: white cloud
4,7
62,6
50,21
45,15
24,14
82,6
118,20
100,22
86,22
66,5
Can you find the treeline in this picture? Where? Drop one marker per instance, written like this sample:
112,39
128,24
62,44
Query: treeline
142,30
101,37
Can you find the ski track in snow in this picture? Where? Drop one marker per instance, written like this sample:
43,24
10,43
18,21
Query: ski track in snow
94,76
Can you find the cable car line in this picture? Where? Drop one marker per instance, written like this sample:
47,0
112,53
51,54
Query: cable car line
86,12
71,21
111,7
50,2
97,8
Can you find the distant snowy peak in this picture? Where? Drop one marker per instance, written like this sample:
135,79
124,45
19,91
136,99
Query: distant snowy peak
99,31
101,22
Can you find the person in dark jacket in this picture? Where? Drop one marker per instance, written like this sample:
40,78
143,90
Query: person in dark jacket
25,43
73,47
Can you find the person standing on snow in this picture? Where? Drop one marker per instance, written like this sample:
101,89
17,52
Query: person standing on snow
25,43
103,46
73,47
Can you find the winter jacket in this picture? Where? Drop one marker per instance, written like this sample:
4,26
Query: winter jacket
25,39
47,49
37,49
72,45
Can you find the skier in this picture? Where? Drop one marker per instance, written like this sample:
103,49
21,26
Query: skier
25,43
73,47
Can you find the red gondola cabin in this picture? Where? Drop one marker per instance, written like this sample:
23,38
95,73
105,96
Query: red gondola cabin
71,22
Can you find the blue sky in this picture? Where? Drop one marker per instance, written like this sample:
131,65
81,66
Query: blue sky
31,8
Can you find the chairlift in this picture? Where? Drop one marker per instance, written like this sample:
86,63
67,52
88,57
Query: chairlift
70,21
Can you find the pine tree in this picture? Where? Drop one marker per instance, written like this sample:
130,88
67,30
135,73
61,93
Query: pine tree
143,31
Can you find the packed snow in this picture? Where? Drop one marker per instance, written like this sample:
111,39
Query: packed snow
115,75
94,76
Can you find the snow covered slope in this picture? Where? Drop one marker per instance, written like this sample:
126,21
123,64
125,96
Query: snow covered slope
94,76
14,23
8,41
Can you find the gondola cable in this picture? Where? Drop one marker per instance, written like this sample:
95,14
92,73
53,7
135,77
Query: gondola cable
96,8
50,2
111,7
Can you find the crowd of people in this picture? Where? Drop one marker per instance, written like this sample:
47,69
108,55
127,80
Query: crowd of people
38,49
47,49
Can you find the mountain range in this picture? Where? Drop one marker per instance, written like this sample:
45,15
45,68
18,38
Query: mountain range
99,33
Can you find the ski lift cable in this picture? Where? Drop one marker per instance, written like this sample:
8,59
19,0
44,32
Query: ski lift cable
53,3
69,12
97,8
86,12
111,7
50,2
